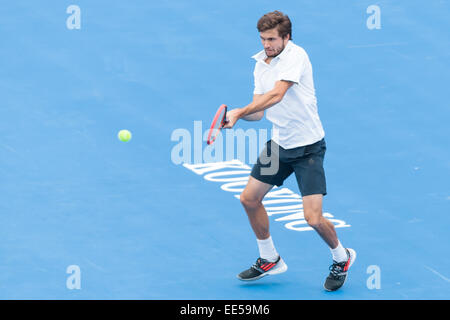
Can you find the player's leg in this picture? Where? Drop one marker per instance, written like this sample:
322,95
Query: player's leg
251,199
269,261
343,258
312,207
310,176
266,173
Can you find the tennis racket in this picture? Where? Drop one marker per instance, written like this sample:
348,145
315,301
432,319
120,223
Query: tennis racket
217,123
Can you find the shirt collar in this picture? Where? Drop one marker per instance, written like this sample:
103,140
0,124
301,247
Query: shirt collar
261,56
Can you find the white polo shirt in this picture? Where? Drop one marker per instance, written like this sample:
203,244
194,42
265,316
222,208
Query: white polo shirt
295,119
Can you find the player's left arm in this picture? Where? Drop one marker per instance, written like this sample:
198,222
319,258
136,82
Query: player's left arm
263,102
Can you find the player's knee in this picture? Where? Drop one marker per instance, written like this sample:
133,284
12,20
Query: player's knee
314,223
314,218
249,201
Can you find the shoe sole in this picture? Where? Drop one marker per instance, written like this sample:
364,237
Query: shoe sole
352,252
276,270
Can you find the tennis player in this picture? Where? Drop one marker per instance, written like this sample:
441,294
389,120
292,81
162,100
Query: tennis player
284,87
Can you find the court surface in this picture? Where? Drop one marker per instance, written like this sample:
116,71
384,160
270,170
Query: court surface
137,225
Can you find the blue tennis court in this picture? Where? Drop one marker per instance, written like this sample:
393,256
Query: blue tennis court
86,216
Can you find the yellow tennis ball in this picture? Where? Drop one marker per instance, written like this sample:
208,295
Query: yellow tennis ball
124,135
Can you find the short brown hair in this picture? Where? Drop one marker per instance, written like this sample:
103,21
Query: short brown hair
276,19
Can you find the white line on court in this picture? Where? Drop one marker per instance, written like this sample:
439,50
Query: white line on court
438,274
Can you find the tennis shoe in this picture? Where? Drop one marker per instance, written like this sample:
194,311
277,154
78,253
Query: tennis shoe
262,268
339,271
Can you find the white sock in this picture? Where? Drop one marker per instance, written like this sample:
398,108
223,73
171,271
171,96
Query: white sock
267,249
339,253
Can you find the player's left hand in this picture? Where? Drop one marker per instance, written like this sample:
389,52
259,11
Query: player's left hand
231,118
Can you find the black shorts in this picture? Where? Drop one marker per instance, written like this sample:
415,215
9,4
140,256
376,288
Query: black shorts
276,164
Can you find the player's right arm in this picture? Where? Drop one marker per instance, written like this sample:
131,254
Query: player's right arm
257,115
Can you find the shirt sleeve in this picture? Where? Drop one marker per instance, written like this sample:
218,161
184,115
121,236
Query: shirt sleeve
292,68
257,83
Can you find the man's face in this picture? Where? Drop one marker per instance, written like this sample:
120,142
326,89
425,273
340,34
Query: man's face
272,42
